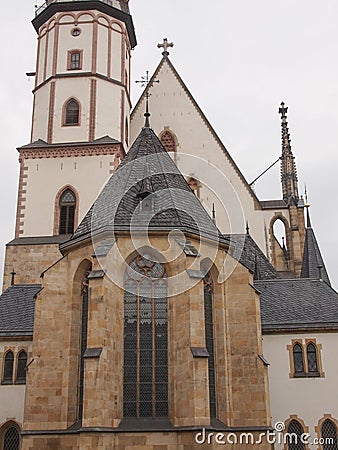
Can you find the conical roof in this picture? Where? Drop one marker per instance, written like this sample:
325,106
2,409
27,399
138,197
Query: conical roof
313,264
147,192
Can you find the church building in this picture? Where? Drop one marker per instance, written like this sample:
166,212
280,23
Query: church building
148,302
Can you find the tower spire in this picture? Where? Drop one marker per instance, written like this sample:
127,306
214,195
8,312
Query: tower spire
288,165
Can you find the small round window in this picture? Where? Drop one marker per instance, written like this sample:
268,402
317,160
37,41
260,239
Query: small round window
76,31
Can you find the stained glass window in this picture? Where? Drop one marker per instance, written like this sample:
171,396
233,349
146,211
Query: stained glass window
295,431
209,339
298,358
8,368
11,439
21,369
329,434
145,339
312,358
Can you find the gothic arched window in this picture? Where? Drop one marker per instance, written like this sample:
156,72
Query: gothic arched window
298,359
11,440
209,340
21,368
145,392
329,435
67,212
295,431
72,112
7,377
168,141
312,363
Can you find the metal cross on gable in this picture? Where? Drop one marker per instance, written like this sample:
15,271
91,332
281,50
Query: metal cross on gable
147,82
165,46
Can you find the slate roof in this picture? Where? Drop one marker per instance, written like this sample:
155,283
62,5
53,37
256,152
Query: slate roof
147,171
312,259
297,304
40,143
246,251
17,305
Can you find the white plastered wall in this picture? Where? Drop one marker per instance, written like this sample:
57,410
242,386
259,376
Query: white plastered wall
78,84
308,398
171,107
45,179
12,396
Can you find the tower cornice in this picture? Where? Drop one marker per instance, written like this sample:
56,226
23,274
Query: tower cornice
86,5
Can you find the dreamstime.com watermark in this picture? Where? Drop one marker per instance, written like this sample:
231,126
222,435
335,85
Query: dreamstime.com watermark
275,436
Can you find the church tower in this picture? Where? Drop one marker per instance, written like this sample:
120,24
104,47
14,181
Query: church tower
80,124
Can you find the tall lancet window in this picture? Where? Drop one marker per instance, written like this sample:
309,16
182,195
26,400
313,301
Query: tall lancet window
83,339
209,340
67,212
145,391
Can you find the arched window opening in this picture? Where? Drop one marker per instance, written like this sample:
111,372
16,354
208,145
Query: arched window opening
11,439
295,431
329,435
168,141
312,362
127,131
298,359
279,233
67,212
72,112
195,186
21,368
8,368
209,340
145,392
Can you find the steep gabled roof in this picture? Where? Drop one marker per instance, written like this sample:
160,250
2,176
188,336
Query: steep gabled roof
166,60
17,305
313,264
297,304
245,250
146,174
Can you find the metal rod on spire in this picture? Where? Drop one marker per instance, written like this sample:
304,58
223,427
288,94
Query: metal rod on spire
147,83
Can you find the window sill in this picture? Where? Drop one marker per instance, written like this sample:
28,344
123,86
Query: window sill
71,125
306,375
7,382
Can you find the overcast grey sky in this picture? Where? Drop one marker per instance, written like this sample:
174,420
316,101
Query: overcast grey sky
240,59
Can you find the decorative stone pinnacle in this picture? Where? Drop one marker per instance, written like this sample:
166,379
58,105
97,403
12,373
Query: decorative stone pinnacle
283,110
165,46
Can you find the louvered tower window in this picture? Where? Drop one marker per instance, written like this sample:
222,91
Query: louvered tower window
7,377
298,359
295,430
11,439
145,392
72,113
209,339
329,434
312,362
67,212
21,368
